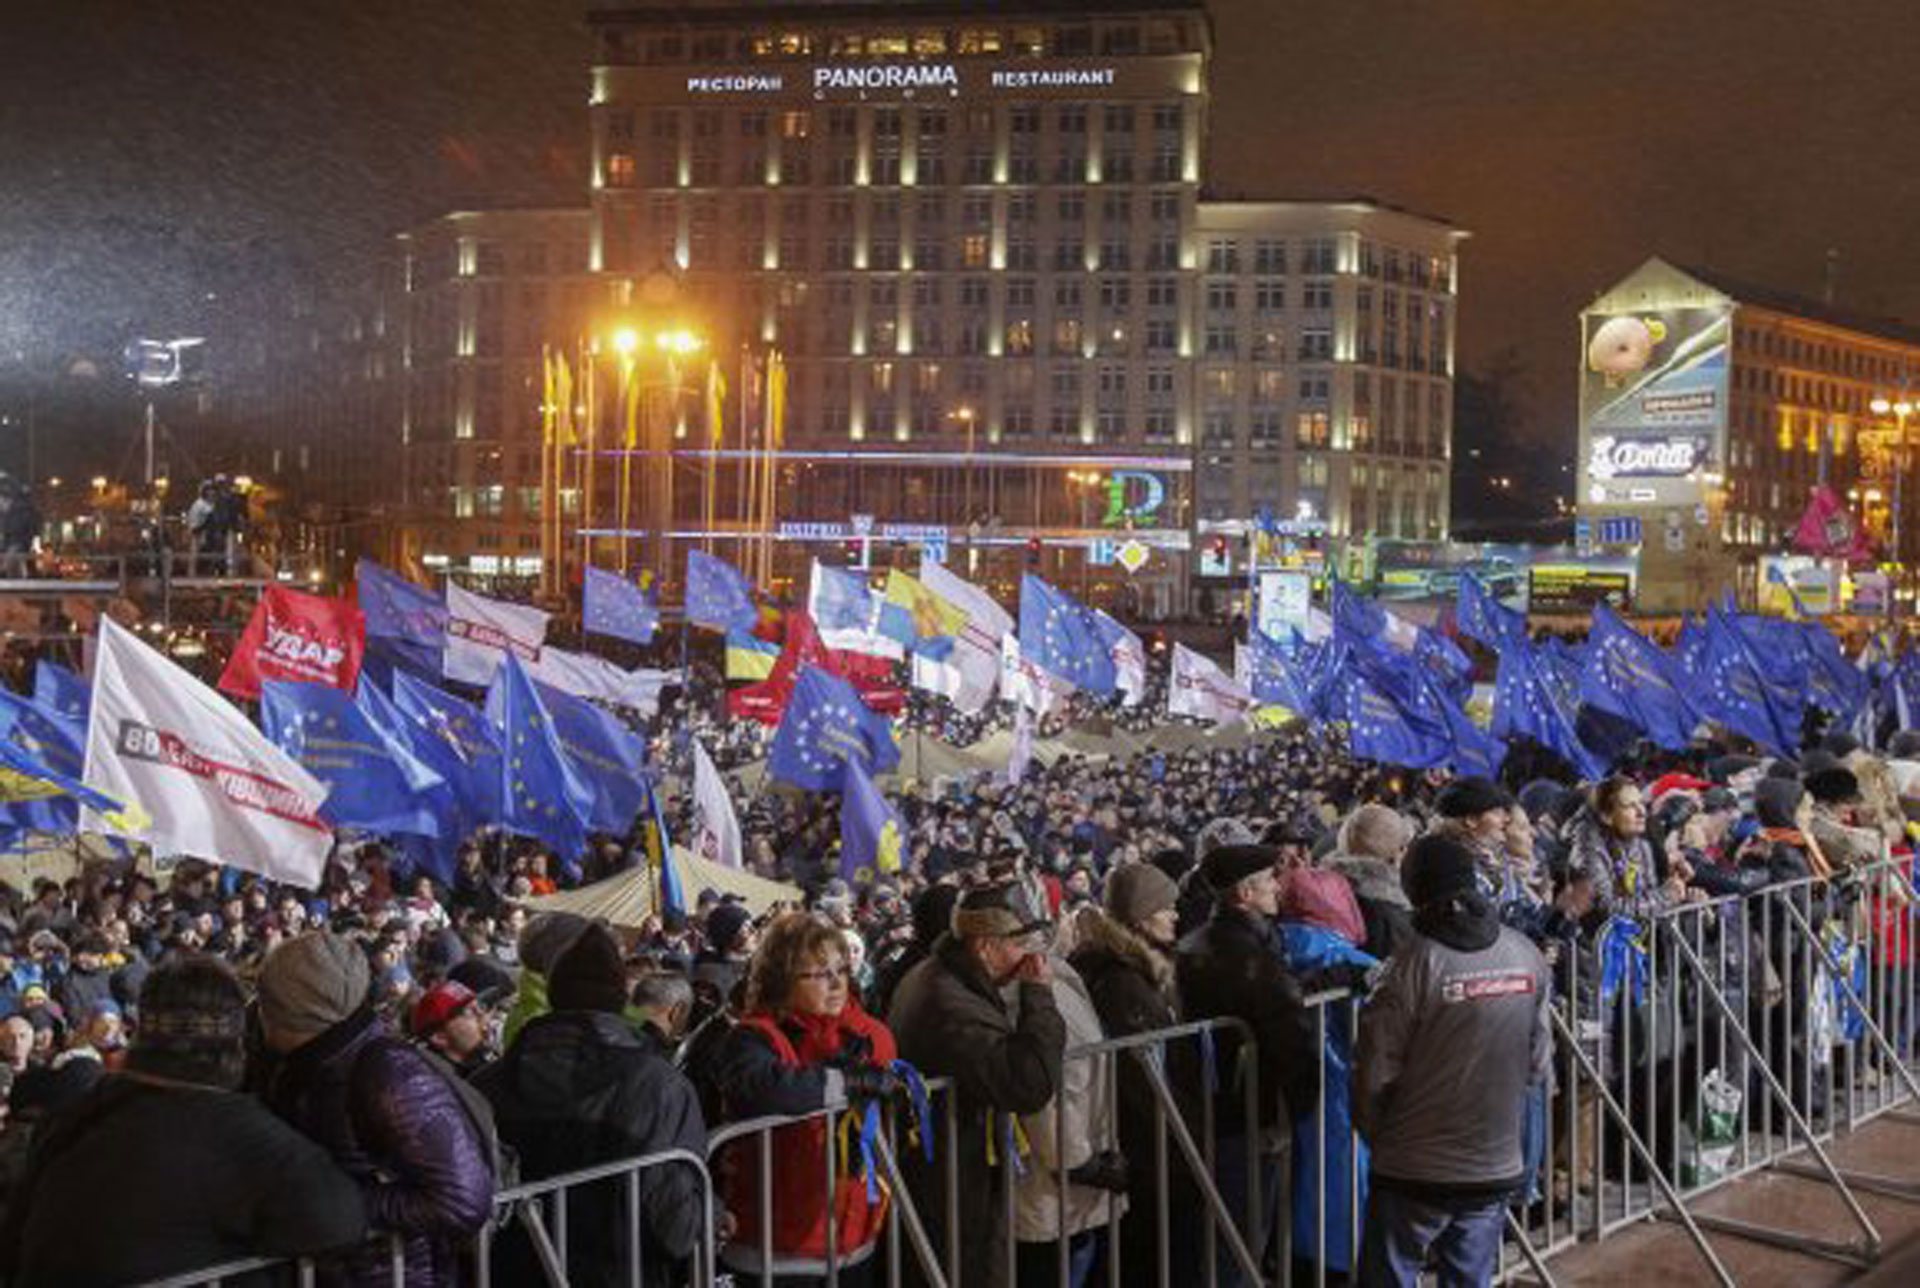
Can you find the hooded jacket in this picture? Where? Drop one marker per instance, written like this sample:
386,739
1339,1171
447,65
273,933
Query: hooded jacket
1451,1038
579,1088
1383,904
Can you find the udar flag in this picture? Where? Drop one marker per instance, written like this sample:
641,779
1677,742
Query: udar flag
309,639
194,775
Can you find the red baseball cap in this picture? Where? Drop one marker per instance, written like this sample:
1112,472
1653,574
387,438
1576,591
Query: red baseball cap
438,1005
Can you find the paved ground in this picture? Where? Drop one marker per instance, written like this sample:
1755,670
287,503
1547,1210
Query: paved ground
1659,1254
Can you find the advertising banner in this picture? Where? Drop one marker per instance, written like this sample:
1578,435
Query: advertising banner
1653,404
1286,601
1540,579
1794,584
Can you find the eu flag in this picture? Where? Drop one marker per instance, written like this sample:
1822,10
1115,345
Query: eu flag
458,743
871,832
1531,700
607,758
1486,619
453,821
1060,635
825,726
1627,674
1738,693
53,740
719,596
541,795
374,784
1270,675
1379,728
612,605
411,620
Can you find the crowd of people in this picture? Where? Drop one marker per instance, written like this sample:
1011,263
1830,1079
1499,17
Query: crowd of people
252,1070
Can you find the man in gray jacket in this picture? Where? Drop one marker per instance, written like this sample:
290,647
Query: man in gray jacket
1454,1034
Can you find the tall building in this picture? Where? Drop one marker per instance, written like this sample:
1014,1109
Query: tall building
1711,408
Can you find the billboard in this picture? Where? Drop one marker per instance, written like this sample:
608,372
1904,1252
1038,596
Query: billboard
1537,579
1792,585
1653,404
1286,600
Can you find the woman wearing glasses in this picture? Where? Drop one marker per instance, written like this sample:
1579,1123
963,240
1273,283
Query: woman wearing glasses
803,1045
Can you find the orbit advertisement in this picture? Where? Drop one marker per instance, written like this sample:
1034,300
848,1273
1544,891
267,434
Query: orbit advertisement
1653,404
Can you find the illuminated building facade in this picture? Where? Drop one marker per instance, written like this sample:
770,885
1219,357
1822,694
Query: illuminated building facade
1710,409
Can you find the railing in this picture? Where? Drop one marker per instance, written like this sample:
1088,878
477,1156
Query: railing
1719,1040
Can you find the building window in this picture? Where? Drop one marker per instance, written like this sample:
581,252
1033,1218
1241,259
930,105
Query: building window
1222,340
1222,297
1316,297
1269,256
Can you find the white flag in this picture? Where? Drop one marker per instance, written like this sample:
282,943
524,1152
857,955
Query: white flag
969,673
1129,660
586,676
481,632
1025,684
1199,688
717,837
196,776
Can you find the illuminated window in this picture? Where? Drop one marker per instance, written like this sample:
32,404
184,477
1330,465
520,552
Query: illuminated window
890,42
973,250
929,42
1218,383
796,124
979,40
620,170
1027,40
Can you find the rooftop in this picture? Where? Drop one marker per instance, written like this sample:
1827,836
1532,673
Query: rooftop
1778,301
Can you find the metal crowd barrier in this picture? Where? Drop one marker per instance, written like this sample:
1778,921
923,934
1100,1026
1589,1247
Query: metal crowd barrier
1721,1039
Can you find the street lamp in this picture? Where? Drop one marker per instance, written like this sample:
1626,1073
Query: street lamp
1899,409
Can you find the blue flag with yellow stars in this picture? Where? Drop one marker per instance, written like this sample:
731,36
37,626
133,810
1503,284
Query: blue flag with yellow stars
374,783
543,797
871,832
1741,695
608,759
1627,674
826,726
612,605
1484,618
457,742
719,596
1061,636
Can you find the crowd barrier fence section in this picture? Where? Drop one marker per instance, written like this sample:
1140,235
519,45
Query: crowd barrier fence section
1721,1039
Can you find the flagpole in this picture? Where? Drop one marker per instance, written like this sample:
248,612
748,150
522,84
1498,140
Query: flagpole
629,404
546,471
592,365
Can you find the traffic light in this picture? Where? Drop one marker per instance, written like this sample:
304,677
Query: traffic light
1220,548
1033,552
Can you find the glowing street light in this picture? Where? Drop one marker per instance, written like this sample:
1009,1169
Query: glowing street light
678,342
626,340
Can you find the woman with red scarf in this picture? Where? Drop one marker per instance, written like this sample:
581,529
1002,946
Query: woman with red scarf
802,1045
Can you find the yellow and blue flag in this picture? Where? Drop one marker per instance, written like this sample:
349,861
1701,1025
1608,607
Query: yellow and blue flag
927,623
749,657
871,831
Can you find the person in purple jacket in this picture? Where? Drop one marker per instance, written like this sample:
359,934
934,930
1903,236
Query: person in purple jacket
391,1120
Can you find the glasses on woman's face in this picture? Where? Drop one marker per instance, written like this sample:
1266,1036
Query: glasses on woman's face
825,974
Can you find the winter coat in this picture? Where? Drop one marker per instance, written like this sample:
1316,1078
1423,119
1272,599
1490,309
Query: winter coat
772,1065
1625,881
581,1088
397,1125
951,1021
1316,951
1383,904
1131,985
198,1177
1231,967
1086,1104
82,990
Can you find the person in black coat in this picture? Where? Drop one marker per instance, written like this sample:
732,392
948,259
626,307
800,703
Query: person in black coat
1231,967
1125,959
196,1175
581,1086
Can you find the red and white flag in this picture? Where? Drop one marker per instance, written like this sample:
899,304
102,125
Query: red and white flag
1199,688
717,833
481,632
195,775
296,636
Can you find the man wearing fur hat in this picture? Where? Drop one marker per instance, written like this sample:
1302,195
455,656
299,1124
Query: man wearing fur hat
1452,1038
1231,967
980,1010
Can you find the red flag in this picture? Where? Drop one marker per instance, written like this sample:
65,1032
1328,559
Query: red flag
296,636
1829,531
766,700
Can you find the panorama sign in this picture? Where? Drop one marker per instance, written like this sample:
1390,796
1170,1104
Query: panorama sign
904,80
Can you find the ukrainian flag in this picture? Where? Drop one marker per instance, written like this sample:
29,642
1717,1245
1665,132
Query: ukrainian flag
749,657
920,619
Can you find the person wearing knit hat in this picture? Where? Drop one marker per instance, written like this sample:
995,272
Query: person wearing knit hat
377,1103
1453,1040
210,1177
591,975
1142,897
1372,840
448,1020
583,1085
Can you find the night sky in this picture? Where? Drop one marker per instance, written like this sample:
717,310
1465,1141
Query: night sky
153,154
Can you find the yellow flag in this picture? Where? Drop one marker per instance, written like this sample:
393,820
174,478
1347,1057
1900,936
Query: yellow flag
563,402
716,402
